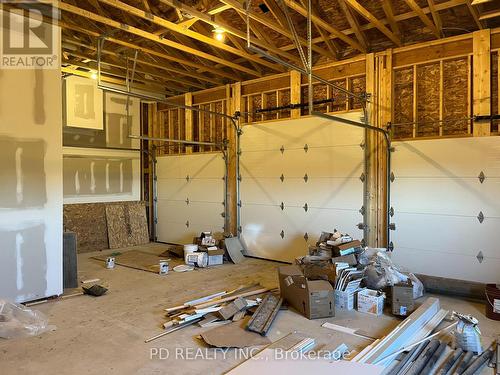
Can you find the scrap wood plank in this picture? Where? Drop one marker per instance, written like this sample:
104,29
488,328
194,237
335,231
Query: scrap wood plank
264,315
404,331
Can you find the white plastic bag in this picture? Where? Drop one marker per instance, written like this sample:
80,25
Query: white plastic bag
19,321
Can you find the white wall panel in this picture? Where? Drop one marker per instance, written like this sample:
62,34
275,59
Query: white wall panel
204,189
437,197
333,162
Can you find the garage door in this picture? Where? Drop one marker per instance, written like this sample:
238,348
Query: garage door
447,216
190,196
298,178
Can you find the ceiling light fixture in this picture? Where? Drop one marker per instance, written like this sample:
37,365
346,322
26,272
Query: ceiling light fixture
219,33
93,75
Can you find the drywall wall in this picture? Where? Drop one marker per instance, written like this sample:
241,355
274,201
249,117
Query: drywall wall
99,175
298,178
438,199
31,195
190,192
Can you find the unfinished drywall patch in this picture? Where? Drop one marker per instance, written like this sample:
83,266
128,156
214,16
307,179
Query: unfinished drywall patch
88,221
24,263
97,175
22,172
84,103
38,100
121,123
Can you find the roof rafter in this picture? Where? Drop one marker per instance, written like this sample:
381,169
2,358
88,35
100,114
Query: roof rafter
389,13
436,17
371,18
354,24
423,17
197,36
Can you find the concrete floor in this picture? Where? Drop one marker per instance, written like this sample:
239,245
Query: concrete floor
106,335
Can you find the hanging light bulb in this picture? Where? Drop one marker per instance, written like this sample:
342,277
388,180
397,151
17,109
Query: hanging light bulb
219,34
93,75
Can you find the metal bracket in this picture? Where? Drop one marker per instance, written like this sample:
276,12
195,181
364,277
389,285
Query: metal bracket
392,226
239,152
480,257
391,246
239,204
391,211
282,234
361,226
187,178
306,148
306,236
305,207
187,224
282,178
239,178
392,177
240,229
222,214
282,149
362,210
481,177
306,177
480,216
362,177
362,145
187,201
282,206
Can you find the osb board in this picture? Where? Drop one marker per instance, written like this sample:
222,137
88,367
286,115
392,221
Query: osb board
403,102
494,90
88,221
339,98
455,99
127,224
428,100
140,260
358,86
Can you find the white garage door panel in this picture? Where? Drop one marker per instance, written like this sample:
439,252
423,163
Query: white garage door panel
451,266
333,191
437,197
411,229
204,189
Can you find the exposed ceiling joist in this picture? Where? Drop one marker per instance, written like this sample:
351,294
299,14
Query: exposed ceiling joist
271,24
218,21
436,17
371,18
389,13
423,17
196,36
475,14
125,44
147,35
354,24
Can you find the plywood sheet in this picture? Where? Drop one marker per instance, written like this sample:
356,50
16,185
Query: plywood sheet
190,196
321,163
88,221
127,224
437,198
139,260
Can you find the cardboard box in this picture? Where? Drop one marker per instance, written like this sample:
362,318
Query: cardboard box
346,248
371,301
350,259
402,299
344,300
215,257
321,270
312,298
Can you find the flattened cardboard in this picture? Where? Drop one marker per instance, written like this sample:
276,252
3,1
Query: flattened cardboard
312,298
349,259
234,335
402,299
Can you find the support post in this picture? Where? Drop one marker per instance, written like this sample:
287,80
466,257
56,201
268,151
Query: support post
295,97
188,123
234,105
481,94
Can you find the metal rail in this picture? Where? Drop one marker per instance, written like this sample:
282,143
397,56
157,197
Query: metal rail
388,161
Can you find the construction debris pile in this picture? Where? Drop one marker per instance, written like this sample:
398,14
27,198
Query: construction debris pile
248,311
360,278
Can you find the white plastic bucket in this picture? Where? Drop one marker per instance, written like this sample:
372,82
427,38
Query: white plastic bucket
189,249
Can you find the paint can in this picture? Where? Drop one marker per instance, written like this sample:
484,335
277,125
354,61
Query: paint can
163,267
189,249
110,263
198,259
